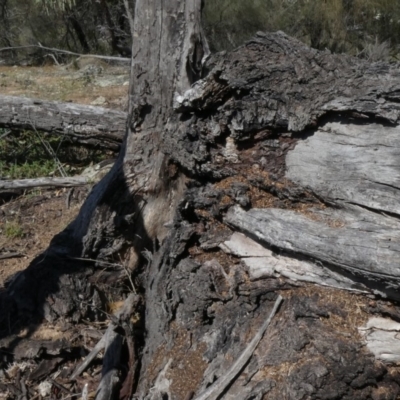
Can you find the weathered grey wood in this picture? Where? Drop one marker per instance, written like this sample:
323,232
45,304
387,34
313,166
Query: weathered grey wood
275,82
123,313
362,244
10,255
263,263
162,64
91,356
91,174
44,182
72,53
97,126
350,162
382,338
113,346
290,85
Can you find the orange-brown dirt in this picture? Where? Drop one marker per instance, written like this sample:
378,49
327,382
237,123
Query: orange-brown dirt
28,223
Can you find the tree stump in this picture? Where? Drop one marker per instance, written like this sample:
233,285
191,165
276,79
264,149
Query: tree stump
271,170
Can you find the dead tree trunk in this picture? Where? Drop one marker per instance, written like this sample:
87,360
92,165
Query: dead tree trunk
277,173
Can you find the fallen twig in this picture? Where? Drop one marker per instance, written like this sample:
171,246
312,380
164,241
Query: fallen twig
50,151
68,199
122,314
35,46
92,355
10,255
128,275
217,388
93,260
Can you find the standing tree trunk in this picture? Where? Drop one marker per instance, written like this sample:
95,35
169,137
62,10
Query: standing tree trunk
145,183
79,32
223,196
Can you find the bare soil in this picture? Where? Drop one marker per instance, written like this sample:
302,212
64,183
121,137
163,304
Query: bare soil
36,218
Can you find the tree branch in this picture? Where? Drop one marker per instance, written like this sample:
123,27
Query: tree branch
71,53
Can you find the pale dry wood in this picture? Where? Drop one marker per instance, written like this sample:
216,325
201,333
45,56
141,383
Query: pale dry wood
33,46
263,264
364,244
44,182
10,255
382,338
84,124
351,162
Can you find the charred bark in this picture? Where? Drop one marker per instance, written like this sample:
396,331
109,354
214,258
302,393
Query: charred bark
275,173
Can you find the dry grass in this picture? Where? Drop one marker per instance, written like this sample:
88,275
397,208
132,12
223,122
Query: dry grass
60,84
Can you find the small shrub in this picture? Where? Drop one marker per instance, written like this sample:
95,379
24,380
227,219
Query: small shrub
376,51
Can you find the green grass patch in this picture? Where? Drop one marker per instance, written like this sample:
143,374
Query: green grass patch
23,155
13,230
34,169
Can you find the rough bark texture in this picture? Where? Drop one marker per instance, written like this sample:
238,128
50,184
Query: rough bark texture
249,148
144,186
84,124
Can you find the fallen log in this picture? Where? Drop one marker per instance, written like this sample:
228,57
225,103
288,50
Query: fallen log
44,182
70,53
90,125
91,174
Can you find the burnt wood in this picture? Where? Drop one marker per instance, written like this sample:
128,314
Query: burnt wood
293,149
